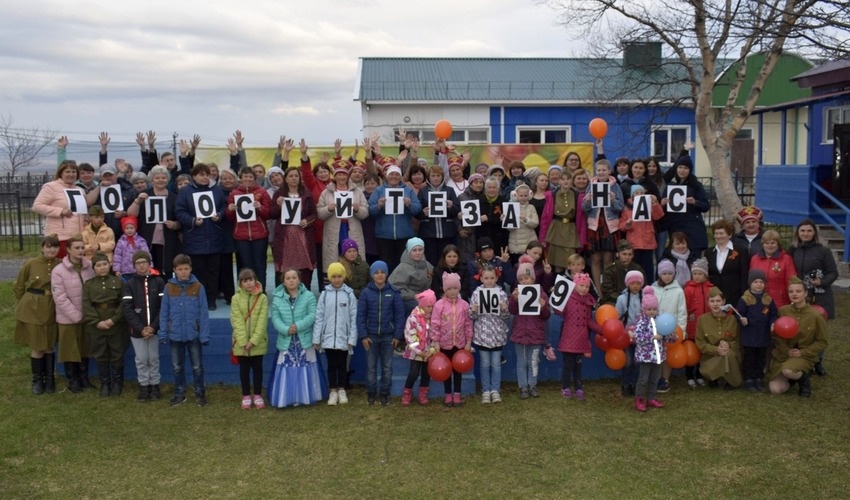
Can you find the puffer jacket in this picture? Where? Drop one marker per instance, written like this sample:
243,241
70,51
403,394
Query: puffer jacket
122,261
518,239
671,299
103,241
628,307
577,322
302,314
529,330
417,334
249,317
380,311
443,227
394,227
256,229
208,238
411,277
183,316
336,319
489,330
450,323
135,306
645,345
50,202
67,285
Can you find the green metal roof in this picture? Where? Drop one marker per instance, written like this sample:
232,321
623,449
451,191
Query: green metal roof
778,89
515,79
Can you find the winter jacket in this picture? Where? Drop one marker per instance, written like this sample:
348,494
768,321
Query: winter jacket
461,270
102,241
249,318
67,285
256,229
492,228
123,259
577,322
671,299
529,330
466,239
809,257
696,303
316,187
732,280
614,280
394,227
489,330
547,215
443,227
136,307
760,311
645,345
518,239
302,314
411,277
450,323
612,213
380,311
778,269
689,222
208,238
183,316
417,335
336,319
641,235
332,223
356,274
504,271
629,307
50,202
753,246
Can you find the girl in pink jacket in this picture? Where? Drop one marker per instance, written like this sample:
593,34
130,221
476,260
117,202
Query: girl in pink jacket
417,335
451,331
528,333
575,340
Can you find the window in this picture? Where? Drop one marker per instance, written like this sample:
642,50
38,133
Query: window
458,135
832,117
668,142
744,133
537,135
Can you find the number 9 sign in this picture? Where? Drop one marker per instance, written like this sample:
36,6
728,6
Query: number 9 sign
561,292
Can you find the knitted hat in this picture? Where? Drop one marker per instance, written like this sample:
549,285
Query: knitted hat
495,167
685,161
129,220
451,280
348,244
634,277
756,274
524,269
99,257
141,254
635,188
95,210
393,169
275,170
376,266
336,269
413,243
700,265
485,243
581,279
665,266
649,301
476,177
426,298
555,167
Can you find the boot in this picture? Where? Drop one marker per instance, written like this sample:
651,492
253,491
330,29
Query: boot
49,373
105,381
449,402
819,369
37,365
72,371
640,405
406,396
423,396
144,393
117,381
84,374
456,399
805,383
155,393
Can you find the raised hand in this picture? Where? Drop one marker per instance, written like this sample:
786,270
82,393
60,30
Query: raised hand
325,157
356,147
62,142
184,147
337,147
151,139
196,140
288,144
505,257
402,156
104,140
400,135
231,145
140,139
281,143
302,146
239,138
466,156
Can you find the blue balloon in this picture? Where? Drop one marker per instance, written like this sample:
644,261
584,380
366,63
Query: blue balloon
665,324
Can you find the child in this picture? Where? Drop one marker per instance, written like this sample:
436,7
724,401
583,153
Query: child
528,334
490,333
97,236
184,323
129,243
450,263
413,273
380,326
759,311
671,299
519,238
559,218
335,330
641,234
603,223
614,277
356,269
718,339
576,265
696,303
417,336
295,380
104,319
249,317
451,331
629,310
487,258
650,353
141,302
574,343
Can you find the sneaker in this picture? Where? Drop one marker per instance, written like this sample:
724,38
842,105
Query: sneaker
485,397
333,399
759,385
246,402
523,393
258,402
567,393
456,399
385,399
176,400
534,392
370,399
155,392
495,397
701,382
449,401
343,397
692,383
640,405
201,399
663,386
654,403
503,360
579,395
750,385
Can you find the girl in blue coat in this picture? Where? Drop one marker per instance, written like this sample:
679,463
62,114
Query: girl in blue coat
335,330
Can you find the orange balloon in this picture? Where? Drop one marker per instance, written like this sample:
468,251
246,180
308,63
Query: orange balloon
442,129
680,335
606,312
677,356
598,128
615,359
693,352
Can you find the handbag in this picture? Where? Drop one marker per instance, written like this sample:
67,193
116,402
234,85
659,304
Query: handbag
234,359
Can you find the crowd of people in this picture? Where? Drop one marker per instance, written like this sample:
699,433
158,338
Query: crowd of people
423,255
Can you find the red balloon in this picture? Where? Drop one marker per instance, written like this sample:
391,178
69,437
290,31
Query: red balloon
621,342
693,352
615,359
601,342
819,308
612,328
598,128
786,327
604,313
463,361
677,356
439,367
442,129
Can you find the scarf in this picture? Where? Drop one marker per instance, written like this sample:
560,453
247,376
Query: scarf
683,272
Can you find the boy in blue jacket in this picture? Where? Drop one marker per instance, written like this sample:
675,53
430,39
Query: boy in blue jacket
184,323
380,326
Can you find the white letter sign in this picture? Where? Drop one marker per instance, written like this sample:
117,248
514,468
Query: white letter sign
437,206
395,201
470,213
677,199
204,204
155,209
76,201
290,212
344,202
245,209
110,199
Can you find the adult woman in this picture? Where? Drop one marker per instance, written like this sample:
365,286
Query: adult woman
335,229
275,181
53,203
491,214
437,232
696,203
718,341
226,279
581,179
559,217
777,265
654,174
728,264
163,237
316,179
35,314
540,195
637,176
572,163
751,232
456,180
251,238
393,230
293,243
466,240
794,358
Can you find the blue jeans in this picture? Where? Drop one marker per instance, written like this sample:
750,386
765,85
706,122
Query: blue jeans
527,364
178,362
382,348
491,370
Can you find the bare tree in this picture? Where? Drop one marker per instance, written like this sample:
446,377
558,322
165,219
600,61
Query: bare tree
22,147
700,36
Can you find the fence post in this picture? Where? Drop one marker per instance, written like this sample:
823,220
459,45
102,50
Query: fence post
20,223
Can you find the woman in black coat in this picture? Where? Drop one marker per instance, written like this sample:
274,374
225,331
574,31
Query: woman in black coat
689,222
730,275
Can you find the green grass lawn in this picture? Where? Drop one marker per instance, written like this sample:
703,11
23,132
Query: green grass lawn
705,443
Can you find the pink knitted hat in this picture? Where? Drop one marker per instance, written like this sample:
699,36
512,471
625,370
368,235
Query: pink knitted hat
427,298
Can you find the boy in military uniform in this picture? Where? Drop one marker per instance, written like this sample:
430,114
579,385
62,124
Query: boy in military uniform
104,319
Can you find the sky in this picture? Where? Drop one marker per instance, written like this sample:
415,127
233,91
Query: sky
211,67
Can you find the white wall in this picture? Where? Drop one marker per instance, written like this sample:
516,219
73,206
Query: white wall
383,118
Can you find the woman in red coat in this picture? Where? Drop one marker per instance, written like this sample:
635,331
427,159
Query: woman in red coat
777,265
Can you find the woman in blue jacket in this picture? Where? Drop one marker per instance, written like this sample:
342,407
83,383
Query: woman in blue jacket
392,231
